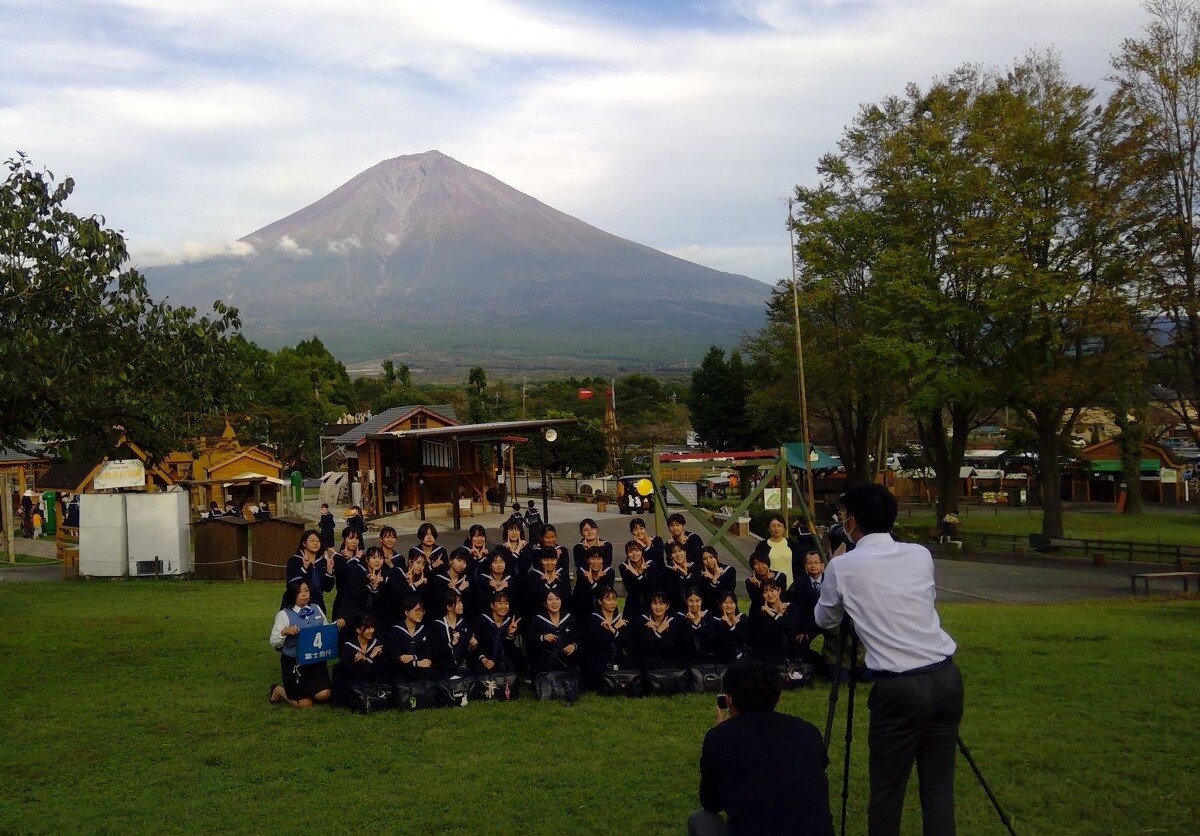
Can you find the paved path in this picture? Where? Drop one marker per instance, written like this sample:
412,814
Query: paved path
996,577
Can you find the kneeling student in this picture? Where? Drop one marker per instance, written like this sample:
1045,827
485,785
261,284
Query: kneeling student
495,637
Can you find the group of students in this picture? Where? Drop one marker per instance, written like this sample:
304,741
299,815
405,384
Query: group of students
525,609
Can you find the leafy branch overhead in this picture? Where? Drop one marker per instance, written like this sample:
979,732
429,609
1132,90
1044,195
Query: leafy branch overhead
85,347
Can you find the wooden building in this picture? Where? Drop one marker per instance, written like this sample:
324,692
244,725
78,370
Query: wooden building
1098,474
414,457
222,470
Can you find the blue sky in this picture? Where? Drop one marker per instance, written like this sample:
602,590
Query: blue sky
680,125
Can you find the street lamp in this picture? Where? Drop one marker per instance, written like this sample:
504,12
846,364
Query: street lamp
548,434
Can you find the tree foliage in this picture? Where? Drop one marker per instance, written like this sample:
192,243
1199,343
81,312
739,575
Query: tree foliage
717,401
1158,89
85,347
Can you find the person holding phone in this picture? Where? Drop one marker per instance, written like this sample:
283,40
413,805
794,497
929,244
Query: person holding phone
763,769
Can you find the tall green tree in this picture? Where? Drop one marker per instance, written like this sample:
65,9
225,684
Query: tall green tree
1158,85
935,267
717,400
853,367
1069,222
85,347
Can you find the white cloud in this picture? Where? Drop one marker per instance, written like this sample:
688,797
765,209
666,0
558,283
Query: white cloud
289,247
191,251
344,245
186,121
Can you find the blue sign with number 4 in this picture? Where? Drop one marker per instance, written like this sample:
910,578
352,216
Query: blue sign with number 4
316,644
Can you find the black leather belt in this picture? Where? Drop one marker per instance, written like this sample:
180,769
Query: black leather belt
915,671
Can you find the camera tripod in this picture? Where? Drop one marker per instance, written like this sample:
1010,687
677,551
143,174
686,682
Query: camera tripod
848,636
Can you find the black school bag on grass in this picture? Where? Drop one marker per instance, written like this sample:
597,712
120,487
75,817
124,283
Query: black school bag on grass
556,685
369,697
667,682
617,682
414,695
498,686
707,678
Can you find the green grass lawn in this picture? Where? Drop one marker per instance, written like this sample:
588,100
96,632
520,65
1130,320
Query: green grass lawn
140,706
1182,528
26,560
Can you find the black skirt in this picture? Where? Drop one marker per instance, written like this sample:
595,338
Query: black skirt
302,682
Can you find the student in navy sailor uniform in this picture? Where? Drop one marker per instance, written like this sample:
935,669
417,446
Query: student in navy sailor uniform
774,627
589,536
516,519
549,540
392,559
608,641
361,660
732,636
592,577
450,639
427,546
301,685
700,628
495,634
352,546
405,583
326,525
652,547
308,564
715,578
661,637
356,523
760,571
455,579
679,575
533,523
511,546
495,579
478,551
692,544
546,577
408,644
353,590
640,580
553,637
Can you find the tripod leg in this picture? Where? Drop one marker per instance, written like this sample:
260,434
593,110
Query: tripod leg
836,679
962,747
853,640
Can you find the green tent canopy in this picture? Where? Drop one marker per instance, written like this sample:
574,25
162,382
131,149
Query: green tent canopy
797,453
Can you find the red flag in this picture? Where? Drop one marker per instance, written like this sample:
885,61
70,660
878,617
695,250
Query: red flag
584,394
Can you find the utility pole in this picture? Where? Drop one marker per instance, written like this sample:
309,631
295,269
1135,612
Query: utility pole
808,451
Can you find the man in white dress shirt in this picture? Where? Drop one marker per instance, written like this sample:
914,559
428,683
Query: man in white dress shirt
916,701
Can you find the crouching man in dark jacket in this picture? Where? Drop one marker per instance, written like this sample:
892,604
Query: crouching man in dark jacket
763,769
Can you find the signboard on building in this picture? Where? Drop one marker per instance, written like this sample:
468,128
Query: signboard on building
772,499
121,473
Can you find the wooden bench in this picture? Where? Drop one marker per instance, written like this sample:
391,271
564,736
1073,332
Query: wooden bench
1146,577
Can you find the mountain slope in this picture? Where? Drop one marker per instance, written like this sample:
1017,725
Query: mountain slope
424,254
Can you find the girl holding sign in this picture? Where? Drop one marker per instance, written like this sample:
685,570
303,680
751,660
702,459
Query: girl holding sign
302,684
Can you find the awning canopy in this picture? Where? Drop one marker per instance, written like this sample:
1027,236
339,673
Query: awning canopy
798,454
511,431
1114,465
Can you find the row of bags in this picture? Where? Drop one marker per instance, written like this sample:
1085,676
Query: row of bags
561,686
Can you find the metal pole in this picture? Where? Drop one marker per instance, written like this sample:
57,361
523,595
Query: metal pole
542,460
9,535
808,479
